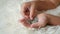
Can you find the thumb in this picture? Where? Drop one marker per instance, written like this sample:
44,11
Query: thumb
32,12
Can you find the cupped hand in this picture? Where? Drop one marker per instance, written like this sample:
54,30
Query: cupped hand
42,21
25,22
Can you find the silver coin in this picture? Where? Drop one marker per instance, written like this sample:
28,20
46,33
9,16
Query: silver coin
33,21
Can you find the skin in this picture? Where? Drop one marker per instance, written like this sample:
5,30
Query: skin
34,8
43,20
31,9
53,20
25,22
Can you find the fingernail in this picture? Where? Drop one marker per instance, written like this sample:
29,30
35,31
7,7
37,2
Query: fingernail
31,18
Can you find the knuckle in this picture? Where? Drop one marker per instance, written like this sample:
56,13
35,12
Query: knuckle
26,4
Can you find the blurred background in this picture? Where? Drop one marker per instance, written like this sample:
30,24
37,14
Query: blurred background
9,19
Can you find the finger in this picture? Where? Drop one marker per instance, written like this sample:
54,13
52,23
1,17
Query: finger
32,11
35,25
25,10
25,23
21,20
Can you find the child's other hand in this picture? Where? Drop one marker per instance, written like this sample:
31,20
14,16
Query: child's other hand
25,22
42,21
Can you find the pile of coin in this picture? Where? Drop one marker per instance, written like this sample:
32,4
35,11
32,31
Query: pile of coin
33,21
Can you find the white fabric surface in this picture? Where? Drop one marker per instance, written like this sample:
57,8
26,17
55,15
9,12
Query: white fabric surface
10,14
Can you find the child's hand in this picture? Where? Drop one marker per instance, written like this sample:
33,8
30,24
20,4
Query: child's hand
25,22
42,21
31,9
